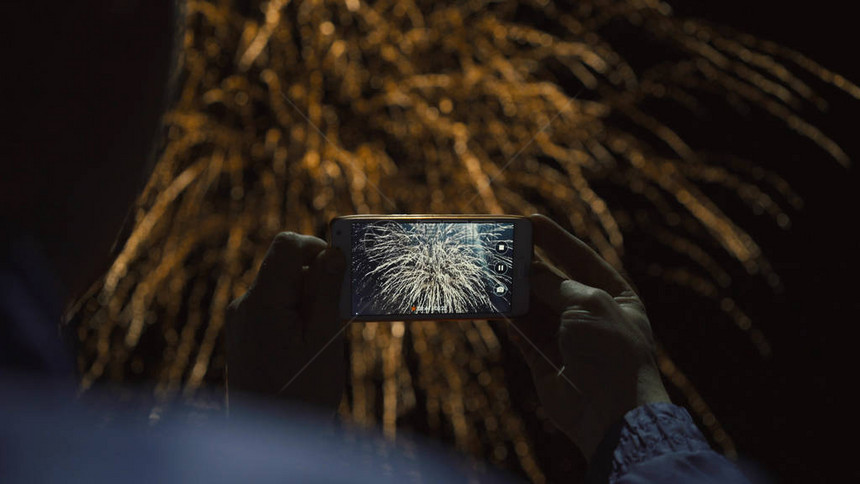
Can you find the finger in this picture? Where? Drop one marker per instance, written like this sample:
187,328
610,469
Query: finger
537,359
545,283
535,335
562,294
325,277
279,280
575,257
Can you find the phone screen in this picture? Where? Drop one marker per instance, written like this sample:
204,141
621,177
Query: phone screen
438,267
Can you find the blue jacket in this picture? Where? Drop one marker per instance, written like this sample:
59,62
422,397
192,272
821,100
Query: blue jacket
659,443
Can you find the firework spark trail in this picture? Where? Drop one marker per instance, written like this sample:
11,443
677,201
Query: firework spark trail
293,112
433,267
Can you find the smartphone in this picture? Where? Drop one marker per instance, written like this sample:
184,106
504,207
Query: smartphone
431,267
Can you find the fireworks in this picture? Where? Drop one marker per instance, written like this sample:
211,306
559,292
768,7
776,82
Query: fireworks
291,113
430,267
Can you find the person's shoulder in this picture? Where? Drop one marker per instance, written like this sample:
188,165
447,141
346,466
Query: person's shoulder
51,438
30,299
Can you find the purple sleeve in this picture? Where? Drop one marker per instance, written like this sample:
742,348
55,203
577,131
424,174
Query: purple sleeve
659,443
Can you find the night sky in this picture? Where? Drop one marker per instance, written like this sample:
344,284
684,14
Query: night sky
789,413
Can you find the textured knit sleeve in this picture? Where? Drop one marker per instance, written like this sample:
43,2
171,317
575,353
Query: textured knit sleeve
659,443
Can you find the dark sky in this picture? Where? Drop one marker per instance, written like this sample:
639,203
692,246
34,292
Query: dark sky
790,413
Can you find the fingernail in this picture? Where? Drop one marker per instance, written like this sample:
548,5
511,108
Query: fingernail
335,262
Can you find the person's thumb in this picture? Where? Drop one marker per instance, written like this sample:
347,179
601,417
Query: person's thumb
325,279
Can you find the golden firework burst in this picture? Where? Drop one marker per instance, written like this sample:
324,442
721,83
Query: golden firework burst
291,113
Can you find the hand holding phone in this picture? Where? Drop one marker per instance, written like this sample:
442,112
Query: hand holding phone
419,267
284,338
586,339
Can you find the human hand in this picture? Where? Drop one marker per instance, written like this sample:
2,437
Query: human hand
283,336
586,339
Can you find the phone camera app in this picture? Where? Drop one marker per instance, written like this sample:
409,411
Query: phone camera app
406,267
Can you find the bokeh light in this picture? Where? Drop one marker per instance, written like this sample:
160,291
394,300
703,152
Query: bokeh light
291,113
